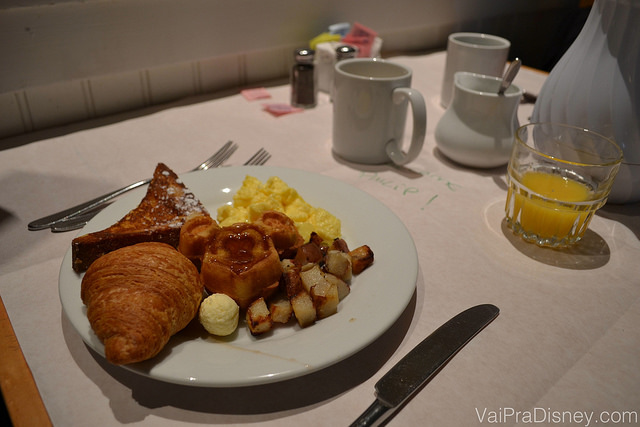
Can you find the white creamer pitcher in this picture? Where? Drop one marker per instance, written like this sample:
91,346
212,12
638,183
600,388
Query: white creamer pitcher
478,128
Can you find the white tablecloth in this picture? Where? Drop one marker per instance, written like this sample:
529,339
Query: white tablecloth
566,343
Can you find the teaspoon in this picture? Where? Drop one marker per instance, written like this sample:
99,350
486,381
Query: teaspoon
509,75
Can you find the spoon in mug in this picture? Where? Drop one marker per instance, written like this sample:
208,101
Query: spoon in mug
509,75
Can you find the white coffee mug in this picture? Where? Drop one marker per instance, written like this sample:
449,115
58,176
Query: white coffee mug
474,52
370,98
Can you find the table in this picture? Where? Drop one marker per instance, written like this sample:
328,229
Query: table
566,346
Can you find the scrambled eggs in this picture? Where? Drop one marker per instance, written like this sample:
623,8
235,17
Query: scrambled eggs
254,198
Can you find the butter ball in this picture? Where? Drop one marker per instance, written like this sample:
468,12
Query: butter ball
219,314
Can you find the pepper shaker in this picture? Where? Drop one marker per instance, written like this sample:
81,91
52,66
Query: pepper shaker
303,80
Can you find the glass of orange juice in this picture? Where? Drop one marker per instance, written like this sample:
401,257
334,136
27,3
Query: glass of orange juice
558,176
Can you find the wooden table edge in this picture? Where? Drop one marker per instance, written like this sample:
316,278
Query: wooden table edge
21,395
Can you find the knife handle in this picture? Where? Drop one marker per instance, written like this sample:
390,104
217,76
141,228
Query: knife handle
375,414
50,220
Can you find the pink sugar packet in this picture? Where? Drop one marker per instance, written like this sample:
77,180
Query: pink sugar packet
362,37
281,109
256,93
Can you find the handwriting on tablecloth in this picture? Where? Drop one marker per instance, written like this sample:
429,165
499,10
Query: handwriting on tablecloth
405,189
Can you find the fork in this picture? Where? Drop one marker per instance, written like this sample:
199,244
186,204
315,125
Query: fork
87,210
79,221
260,158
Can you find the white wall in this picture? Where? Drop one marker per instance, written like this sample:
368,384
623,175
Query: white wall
65,61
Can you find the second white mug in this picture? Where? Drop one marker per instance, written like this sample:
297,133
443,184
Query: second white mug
474,52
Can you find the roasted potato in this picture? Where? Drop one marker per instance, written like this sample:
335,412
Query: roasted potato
309,253
339,245
324,293
325,298
258,317
311,275
301,303
361,258
303,309
343,287
339,264
280,309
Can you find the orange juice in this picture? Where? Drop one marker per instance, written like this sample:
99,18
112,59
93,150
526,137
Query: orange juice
549,209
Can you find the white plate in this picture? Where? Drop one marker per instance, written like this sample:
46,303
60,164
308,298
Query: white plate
378,296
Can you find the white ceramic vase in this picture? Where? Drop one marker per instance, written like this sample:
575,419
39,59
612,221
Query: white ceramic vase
478,128
596,85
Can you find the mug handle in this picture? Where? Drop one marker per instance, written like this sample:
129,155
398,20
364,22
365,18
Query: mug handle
393,147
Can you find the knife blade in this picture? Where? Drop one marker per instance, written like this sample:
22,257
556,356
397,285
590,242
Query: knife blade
75,222
424,361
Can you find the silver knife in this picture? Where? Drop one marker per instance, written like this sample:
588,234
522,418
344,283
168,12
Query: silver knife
77,216
424,361
91,205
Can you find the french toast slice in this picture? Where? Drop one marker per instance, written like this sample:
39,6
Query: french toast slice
158,218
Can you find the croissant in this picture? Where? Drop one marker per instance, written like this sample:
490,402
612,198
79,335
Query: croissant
137,297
